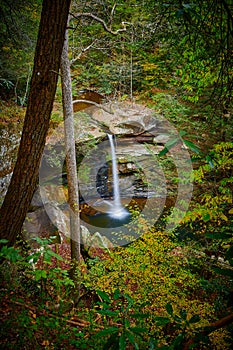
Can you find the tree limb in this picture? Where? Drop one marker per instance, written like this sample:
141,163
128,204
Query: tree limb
101,21
95,104
82,51
223,322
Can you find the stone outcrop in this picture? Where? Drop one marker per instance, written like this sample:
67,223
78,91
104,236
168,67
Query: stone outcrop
140,133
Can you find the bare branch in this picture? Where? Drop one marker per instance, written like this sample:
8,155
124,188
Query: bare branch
102,22
82,51
94,104
112,12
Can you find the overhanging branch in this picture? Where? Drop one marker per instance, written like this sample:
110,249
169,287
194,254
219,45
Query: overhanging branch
102,22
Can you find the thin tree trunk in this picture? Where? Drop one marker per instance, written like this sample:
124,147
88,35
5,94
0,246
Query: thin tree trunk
71,165
40,102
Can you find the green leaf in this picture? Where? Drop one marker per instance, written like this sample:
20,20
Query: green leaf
169,309
138,330
116,294
51,253
131,338
151,344
229,253
108,312
224,272
182,133
112,342
210,161
177,319
206,217
3,241
194,319
10,253
168,145
163,152
218,235
162,321
139,316
104,296
122,342
109,330
194,148
183,315
40,274
178,341
126,323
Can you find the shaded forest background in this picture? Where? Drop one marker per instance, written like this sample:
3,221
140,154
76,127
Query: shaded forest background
166,290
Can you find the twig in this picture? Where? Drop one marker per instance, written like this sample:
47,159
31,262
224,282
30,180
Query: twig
101,21
82,51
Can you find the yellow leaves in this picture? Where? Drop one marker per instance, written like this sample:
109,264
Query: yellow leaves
223,217
6,48
230,211
149,67
189,88
149,77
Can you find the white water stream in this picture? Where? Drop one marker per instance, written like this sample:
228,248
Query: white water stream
116,210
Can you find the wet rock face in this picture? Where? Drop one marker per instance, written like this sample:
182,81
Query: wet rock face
10,137
125,118
134,126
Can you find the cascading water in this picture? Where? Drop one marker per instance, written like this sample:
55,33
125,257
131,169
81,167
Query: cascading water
116,210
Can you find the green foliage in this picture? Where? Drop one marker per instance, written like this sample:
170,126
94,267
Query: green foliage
180,323
210,216
177,139
120,321
170,106
215,202
153,272
9,253
19,22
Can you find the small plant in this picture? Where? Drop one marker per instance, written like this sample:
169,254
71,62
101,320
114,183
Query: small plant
120,321
181,324
46,272
9,253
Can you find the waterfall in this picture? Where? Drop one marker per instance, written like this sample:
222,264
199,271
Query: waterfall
116,210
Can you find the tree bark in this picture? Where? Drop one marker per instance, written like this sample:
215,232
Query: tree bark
71,166
47,59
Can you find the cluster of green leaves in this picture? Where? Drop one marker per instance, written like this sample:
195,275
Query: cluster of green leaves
119,320
181,322
201,34
215,186
39,265
35,292
210,218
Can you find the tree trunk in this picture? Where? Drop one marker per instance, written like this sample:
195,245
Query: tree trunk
71,166
42,91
